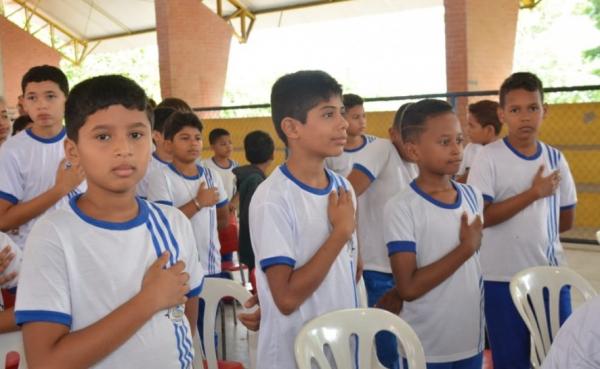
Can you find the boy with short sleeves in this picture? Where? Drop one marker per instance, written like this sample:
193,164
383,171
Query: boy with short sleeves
160,156
357,139
530,197
195,190
432,234
34,177
110,280
302,218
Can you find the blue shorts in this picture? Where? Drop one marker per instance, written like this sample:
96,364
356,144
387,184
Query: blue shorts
508,335
474,362
377,284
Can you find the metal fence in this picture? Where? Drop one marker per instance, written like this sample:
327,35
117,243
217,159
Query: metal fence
571,125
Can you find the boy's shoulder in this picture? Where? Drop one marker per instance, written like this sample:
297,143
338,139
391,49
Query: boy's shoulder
17,144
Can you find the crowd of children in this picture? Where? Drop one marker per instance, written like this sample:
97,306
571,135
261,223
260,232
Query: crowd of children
110,222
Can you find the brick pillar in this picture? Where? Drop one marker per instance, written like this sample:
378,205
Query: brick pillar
20,51
480,42
193,45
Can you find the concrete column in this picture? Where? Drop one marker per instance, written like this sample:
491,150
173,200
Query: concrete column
193,45
480,42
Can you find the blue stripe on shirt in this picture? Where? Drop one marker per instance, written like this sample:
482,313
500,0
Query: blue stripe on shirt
401,246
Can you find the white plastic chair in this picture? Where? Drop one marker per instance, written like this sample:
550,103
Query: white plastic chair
213,290
335,330
598,236
527,292
12,342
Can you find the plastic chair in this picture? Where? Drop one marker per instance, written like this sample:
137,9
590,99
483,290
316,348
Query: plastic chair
11,343
527,292
336,329
598,236
213,290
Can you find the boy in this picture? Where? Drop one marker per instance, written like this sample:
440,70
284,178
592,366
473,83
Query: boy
4,122
483,127
221,145
259,148
530,198
431,244
380,171
105,280
357,123
160,156
302,218
197,191
34,177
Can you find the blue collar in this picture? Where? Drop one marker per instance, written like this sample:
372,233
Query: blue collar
155,156
537,154
364,143
191,178
317,191
49,140
139,219
435,202
217,164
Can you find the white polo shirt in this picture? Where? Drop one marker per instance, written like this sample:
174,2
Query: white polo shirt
530,238
288,224
77,270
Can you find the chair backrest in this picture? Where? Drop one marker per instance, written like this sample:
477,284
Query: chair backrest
527,292
213,290
336,329
12,342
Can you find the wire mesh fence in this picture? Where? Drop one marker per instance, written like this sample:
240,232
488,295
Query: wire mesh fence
572,125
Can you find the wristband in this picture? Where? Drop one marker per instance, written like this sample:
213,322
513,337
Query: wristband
196,203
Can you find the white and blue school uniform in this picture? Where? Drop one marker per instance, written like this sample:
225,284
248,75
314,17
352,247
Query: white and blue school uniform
389,174
530,238
342,164
28,165
155,164
288,225
469,154
77,270
449,319
168,186
226,174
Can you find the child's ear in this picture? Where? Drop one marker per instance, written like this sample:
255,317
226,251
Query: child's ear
411,150
71,151
500,113
157,136
289,126
545,109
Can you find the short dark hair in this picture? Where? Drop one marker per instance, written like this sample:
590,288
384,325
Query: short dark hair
521,81
101,92
486,114
160,117
352,100
217,133
397,124
20,123
175,103
259,147
293,95
415,115
178,121
43,73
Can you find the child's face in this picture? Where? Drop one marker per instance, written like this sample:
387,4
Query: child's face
45,103
357,120
113,148
223,147
186,145
4,123
477,133
439,147
324,132
523,113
